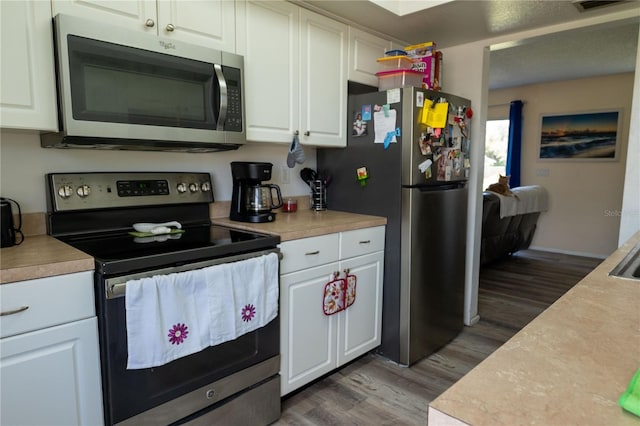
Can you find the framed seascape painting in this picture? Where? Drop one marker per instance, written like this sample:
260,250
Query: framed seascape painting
580,136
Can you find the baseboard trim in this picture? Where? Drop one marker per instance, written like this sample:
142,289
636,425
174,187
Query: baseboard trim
570,252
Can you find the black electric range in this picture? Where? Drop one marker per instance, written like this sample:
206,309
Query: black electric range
95,213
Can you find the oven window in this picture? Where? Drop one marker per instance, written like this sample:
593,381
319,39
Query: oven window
119,84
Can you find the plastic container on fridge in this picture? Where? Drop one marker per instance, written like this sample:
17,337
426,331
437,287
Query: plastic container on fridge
399,78
394,63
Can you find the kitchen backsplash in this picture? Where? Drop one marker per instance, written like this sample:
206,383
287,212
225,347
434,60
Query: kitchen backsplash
23,164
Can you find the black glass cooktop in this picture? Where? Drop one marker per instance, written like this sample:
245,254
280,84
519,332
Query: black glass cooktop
121,252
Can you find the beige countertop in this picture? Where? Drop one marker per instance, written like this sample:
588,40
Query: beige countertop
306,223
569,366
42,256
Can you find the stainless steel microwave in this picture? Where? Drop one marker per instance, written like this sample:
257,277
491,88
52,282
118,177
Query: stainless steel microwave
120,89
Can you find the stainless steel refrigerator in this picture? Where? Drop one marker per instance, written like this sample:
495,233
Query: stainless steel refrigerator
414,174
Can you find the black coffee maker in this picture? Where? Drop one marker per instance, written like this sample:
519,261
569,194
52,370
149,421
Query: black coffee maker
251,200
9,234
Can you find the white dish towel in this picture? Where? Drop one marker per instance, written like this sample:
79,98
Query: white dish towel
168,317
175,315
243,296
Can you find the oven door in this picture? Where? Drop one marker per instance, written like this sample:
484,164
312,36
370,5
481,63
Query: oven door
192,384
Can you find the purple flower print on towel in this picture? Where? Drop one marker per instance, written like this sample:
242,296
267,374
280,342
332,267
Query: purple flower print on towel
178,334
248,312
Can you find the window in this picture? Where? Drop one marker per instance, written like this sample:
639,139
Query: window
495,152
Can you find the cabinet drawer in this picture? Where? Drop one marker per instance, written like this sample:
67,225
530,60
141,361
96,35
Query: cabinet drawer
309,252
361,241
48,301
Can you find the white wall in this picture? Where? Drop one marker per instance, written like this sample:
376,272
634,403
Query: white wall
23,165
459,80
585,196
630,220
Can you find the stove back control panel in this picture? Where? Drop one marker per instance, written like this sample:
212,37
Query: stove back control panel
89,191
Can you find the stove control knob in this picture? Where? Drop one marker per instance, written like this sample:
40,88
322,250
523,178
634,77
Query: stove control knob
194,187
205,187
65,191
83,191
182,188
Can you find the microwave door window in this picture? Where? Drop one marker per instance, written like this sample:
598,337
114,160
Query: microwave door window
113,83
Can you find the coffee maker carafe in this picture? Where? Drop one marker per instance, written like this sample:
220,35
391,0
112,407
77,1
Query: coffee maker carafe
253,201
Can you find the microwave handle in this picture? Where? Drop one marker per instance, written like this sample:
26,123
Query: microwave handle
222,84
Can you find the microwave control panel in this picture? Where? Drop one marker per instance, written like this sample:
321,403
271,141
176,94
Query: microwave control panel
233,122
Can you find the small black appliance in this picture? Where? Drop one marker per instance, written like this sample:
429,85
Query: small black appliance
251,200
9,233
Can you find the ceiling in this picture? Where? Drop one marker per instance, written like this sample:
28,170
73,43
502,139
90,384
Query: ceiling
602,49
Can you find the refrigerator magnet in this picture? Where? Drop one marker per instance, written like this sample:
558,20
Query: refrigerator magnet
419,99
359,127
424,166
362,175
366,112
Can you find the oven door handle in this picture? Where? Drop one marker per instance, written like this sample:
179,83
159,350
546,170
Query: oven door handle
116,287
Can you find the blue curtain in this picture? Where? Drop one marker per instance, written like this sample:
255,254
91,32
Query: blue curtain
514,150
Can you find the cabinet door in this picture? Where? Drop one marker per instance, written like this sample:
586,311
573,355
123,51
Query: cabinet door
268,39
308,337
134,14
208,23
52,376
27,88
323,80
364,51
361,323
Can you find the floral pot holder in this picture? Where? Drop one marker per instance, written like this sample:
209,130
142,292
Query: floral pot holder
339,294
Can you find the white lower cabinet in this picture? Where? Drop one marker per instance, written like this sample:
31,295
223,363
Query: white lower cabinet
312,343
361,323
49,357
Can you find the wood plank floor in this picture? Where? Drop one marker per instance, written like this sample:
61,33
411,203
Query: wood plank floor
374,390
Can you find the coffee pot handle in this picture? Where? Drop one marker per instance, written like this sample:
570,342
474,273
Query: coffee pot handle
279,196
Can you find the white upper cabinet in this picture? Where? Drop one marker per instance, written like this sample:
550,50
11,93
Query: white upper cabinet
364,50
268,39
295,74
323,80
209,23
27,88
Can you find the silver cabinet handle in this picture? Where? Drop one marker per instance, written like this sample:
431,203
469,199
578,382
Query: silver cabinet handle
296,133
307,133
170,27
311,253
365,242
15,311
149,23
